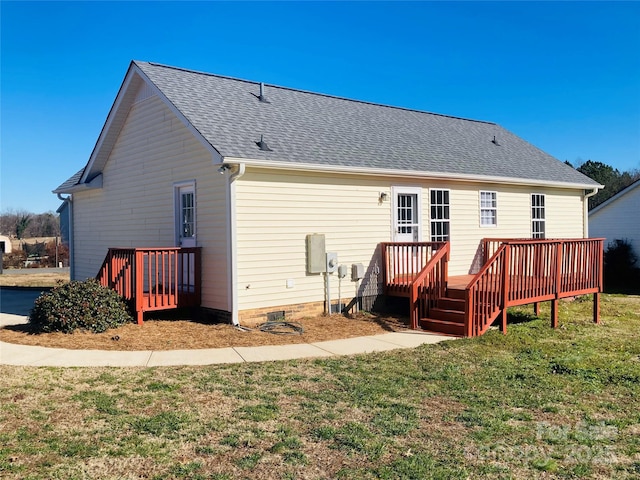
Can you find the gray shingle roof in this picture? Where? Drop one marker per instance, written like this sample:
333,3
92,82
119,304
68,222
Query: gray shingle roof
315,129
70,182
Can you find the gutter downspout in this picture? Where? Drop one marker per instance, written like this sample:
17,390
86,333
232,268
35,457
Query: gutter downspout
585,223
233,246
72,263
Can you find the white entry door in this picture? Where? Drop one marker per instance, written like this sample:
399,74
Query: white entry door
186,233
186,215
406,229
406,215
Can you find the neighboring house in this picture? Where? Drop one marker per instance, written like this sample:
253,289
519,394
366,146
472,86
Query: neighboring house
618,218
247,171
63,212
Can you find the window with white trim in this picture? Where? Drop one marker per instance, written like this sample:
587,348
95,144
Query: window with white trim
488,209
440,215
537,216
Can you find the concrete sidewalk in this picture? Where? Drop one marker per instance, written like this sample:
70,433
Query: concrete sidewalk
11,354
25,355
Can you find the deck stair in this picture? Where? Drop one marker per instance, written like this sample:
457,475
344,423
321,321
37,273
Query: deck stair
448,314
515,272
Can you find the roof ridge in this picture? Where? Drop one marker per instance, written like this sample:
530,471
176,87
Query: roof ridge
309,92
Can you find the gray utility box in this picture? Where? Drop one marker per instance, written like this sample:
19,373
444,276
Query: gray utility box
316,253
357,271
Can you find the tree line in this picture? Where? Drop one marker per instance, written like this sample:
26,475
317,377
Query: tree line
612,179
22,224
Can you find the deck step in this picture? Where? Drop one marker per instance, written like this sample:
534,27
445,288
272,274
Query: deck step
447,303
458,293
455,316
442,326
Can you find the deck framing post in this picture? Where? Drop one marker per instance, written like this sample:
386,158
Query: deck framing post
536,309
554,313
596,307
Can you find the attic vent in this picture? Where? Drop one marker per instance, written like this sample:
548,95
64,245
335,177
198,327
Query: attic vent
261,97
494,141
262,145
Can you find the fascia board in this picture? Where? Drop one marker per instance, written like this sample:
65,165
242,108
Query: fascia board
379,172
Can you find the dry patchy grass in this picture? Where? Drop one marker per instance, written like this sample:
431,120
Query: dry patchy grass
33,278
537,403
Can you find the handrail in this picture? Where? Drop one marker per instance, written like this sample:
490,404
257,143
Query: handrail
486,293
429,285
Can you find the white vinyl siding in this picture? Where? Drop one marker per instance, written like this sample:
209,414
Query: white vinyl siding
620,219
275,212
135,207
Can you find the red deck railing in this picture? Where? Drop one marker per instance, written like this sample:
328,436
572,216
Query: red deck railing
529,271
153,278
403,261
515,272
429,285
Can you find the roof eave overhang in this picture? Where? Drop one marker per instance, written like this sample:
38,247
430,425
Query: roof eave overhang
94,183
380,172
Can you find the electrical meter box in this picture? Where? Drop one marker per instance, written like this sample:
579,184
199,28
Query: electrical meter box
342,271
357,271
316,253
332,262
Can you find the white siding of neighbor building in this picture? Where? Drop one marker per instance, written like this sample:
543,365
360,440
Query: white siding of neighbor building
135,206
620,219
277,210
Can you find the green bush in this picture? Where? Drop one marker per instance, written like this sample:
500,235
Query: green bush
85,305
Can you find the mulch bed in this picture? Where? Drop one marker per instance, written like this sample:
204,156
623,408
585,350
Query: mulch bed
186,334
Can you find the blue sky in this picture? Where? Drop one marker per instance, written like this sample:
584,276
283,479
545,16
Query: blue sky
563,75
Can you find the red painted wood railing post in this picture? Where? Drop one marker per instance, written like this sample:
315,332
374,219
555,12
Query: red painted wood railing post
506,269
138,271
557,285
468,313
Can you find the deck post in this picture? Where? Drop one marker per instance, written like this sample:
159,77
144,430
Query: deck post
554,313
536,309
596,307
468,313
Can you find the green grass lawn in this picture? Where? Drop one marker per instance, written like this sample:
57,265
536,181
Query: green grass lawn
537,403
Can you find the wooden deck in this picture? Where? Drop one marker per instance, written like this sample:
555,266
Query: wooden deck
153,278
515,272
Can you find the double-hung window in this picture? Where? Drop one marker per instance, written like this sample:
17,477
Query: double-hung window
488,209
537,216
440,215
